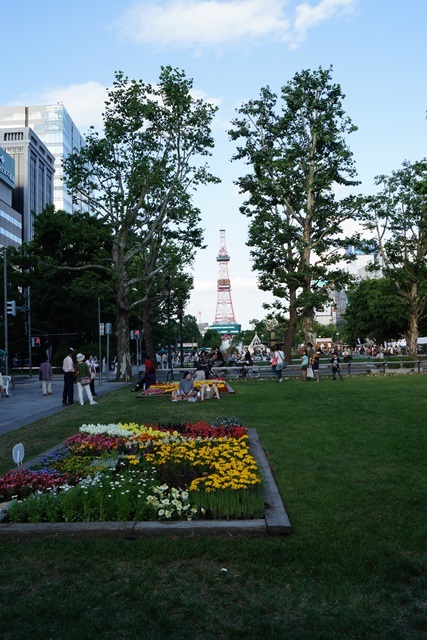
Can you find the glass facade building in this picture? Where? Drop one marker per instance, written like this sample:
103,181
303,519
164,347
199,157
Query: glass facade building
10,220
33,177
54,126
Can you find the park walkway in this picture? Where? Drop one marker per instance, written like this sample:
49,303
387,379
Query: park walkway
26,403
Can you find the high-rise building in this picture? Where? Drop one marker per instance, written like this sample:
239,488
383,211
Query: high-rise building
34,171
54,126
10,220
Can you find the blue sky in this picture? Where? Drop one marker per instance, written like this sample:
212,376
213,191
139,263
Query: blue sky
68,52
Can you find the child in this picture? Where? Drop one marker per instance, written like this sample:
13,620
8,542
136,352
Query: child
304,365
315,365
335,362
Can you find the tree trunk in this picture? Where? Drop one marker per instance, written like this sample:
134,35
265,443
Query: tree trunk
150,347
412,333
307,325
292,328
124,371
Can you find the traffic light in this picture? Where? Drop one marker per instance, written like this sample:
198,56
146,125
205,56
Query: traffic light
136,334
37,342
11,307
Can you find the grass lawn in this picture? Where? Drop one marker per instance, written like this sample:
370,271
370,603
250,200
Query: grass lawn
349,460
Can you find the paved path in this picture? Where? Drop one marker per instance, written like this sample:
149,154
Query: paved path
26,403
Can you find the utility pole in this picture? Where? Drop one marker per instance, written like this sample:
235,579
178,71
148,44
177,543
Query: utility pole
5,311
30,357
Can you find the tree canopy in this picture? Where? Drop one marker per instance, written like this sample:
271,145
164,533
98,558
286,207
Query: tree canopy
397,215
139,176
374,312
297,151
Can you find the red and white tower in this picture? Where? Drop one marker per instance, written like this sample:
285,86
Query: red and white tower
224,306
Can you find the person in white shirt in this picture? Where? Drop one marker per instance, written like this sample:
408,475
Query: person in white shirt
280,356
68,369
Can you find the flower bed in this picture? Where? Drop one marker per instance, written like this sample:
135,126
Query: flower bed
128,472
161,389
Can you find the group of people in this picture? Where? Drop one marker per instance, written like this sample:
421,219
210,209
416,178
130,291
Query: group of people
186,390
82,372
310,364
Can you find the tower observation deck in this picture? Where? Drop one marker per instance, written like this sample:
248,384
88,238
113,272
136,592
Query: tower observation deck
225,322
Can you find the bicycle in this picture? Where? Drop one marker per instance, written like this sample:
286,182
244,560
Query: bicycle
234,373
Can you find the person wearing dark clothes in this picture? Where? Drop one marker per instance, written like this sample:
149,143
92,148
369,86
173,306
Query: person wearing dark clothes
148,379
68,369
335,364
248,358
204,364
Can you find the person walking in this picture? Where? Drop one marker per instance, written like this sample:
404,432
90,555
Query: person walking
279,358
83,379
316,366
335,364
92,368
68,369
46,377
310,352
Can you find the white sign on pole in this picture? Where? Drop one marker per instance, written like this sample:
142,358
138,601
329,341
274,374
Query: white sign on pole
18,453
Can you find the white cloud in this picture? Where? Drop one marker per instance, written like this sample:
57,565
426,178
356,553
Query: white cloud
307,17
200,24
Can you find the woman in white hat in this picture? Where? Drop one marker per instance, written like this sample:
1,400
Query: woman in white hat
83,379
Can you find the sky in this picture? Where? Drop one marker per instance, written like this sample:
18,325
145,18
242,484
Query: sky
69,52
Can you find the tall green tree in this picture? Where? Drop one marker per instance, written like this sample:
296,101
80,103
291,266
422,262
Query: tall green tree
398,217
63,301
297,151
139,175
374,312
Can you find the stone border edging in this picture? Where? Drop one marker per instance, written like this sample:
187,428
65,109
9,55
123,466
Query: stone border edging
276,520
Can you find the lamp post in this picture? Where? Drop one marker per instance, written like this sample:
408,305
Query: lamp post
6,346
168,301
181,347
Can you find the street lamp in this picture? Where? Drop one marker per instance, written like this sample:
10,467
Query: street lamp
168,302
181,348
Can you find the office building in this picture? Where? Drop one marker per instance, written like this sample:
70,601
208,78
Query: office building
10,220
54,126
34,171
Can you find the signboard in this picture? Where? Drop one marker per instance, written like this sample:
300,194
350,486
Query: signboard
7,168
18,453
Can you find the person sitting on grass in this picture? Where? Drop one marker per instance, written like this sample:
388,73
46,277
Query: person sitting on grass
209,391
186,388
